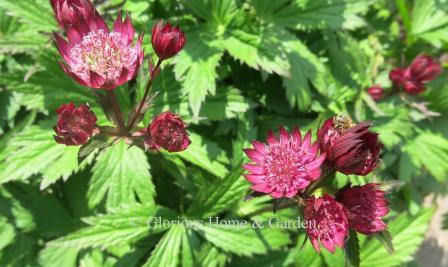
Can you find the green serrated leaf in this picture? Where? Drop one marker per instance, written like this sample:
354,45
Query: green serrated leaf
111,176
206,154
34,151
407,232
430,150
386,239
315,14
34,13
352,250
219,196
168,249
95,143
197,67
120,226
243,239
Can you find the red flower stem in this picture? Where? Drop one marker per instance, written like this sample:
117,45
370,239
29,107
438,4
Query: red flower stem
145,95
117,111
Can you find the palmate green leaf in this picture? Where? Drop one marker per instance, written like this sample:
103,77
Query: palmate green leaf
276,50
306,69
227,102
22,42
218,12
220,195
57,257
407,233
121,172
168,249
97,258
307,14
393,130
211,256
34,151
47,88
430,151
207,155
243,239
430,21
33,13
275,258
120,226
196,66
259,51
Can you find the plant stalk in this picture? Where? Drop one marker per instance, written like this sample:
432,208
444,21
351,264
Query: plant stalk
117,111
145,95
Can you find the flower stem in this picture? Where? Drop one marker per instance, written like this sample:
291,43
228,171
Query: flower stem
117,111
145,95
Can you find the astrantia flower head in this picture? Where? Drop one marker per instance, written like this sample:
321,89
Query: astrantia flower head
75,124
68,12
168,131
350,149
284,167
327,222
366,206
99,58
412,79
166,40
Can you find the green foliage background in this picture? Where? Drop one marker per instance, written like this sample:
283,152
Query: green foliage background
249,65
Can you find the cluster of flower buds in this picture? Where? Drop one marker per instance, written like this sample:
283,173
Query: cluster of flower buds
292,167
410,79
97,57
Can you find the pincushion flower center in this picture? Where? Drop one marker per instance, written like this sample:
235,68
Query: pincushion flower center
283,164
103,53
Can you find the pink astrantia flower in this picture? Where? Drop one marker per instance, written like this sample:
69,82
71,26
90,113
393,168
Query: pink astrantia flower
412,79
284,167
376,92
166,40
353,150
167,131
68,12
327,222
96,57
366,207
75,124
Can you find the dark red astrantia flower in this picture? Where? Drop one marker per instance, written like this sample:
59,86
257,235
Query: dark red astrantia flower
327,222
94,56
366,207
168,131
283,167
412,79
352,149
75,124
68,12
376,92
166,40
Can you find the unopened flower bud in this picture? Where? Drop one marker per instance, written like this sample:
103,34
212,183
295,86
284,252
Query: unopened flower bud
167,131
166,40
75,124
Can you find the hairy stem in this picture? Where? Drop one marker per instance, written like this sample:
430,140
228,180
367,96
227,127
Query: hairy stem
145,95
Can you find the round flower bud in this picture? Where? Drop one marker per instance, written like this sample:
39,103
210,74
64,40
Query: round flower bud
166,40
75,124
167,131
